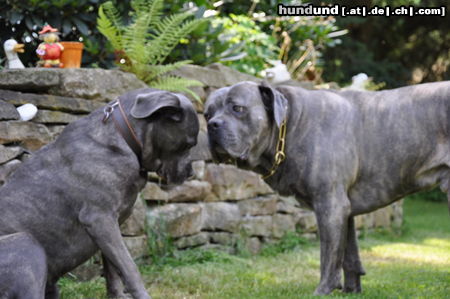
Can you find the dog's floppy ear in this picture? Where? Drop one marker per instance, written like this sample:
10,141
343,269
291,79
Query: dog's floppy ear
147,104
274,101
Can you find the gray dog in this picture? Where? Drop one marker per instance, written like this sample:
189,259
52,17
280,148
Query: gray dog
70,197
345,153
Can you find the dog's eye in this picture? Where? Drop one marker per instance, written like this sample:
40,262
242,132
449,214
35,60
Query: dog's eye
238,109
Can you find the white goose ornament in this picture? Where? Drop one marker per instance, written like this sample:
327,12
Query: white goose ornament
12,59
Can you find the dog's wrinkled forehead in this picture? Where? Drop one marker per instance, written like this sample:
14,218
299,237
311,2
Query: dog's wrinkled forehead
244,93
216,99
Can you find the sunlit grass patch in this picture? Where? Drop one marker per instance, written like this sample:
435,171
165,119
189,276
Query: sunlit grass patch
430,251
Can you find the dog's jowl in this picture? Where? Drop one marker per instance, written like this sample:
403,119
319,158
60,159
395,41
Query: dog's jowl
343,153
67,201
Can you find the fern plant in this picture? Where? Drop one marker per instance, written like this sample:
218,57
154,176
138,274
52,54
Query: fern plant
142,45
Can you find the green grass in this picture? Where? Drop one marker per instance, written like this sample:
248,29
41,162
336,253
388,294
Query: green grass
413,264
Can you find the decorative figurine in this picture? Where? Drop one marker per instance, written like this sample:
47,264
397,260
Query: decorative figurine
12,59
278,73
49,51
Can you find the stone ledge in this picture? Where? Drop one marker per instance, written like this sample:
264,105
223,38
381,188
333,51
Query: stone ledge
8,111
98,84
137,246
220,216
8,153
50,102
31,135
7,169
215,75
54,117
177,220
231,183
29,79
263,205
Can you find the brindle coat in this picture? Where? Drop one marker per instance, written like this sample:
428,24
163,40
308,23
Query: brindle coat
348,153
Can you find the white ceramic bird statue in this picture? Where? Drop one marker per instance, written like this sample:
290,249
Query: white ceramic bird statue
278,74
359,82
12,59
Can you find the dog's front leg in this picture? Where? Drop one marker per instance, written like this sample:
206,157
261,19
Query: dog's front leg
114,286
332,212
104,230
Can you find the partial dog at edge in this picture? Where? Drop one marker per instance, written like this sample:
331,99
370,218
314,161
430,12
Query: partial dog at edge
347,153
68,200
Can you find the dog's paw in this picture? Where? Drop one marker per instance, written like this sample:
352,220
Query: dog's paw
326,289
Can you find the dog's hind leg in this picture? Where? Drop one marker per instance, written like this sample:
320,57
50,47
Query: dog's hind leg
23,267
353,268
51,291
332,212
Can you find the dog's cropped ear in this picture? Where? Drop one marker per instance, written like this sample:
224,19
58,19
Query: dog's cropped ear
148,104
274,101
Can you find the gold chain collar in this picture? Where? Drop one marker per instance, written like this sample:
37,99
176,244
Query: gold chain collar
280,154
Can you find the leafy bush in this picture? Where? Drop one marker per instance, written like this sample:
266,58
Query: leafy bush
290,241
197,256
432,195
205,45
143,45
160,244
242,33
162,251
303,40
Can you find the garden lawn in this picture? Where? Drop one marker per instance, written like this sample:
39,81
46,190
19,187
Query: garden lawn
414,264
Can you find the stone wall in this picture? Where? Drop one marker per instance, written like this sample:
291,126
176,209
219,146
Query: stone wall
220,207
224,205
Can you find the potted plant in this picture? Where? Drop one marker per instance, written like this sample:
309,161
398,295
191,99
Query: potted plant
71,56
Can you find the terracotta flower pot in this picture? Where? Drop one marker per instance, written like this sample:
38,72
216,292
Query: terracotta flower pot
71,56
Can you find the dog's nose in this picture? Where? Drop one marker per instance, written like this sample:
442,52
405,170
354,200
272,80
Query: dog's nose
215,124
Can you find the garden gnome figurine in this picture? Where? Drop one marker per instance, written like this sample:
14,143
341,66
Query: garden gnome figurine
12,59
49,51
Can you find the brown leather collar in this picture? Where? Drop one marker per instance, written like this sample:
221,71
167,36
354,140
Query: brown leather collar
124,127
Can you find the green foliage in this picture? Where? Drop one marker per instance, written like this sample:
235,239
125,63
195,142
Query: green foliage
244,35
197,256
162,251
144,44
435,195
205,47
303,40
248,37
160,244
289,242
